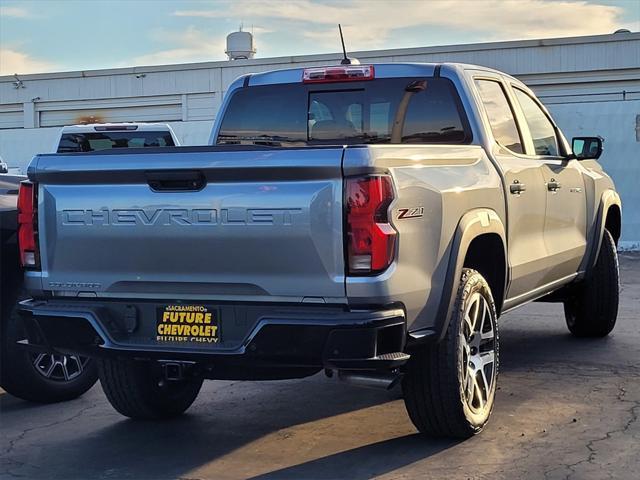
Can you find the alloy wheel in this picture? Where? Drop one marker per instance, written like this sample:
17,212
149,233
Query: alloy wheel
62,368
478,345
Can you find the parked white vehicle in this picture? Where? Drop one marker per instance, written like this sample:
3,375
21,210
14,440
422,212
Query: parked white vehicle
104,136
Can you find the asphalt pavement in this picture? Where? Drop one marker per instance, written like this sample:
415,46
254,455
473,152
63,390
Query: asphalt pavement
566,408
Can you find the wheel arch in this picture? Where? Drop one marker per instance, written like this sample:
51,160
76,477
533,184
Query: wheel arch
613,222
479,242
609,217
486,254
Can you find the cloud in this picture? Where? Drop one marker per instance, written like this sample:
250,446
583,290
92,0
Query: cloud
370,24
191,45
258,30
13,61
14,12
201,13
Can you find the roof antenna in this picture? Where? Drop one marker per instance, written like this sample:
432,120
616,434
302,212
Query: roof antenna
346,60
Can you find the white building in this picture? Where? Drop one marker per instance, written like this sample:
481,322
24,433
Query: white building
591,85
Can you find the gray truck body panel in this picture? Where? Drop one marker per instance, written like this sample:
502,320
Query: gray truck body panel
266,227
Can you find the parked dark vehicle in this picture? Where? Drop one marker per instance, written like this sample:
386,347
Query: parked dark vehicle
36,376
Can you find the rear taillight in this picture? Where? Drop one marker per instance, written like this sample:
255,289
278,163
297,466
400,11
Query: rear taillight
343,73
371,239
28,225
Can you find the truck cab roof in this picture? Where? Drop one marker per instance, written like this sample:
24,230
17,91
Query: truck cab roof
382,70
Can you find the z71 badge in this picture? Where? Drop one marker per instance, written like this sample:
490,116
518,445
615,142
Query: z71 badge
414,212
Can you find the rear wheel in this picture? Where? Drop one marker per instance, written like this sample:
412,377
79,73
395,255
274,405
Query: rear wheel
449,387
593,308
41,377
137,390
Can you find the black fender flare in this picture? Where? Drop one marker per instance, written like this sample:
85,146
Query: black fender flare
608,199
473,224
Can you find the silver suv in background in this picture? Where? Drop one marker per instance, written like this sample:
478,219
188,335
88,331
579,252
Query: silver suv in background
46,375
95,137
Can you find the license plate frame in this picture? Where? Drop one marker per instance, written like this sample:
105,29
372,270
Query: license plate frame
187,324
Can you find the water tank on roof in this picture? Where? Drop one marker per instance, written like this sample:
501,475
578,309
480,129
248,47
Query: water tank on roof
240,45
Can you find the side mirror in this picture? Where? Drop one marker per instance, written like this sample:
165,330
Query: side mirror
587,147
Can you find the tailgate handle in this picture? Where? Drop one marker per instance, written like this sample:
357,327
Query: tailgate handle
176,181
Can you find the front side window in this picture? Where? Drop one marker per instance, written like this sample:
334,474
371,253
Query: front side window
386,110
501,119
542,132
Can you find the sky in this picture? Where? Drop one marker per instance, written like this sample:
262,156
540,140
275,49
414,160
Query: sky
62,35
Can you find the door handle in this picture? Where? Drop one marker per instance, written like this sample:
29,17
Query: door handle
517,188
553,186
176,180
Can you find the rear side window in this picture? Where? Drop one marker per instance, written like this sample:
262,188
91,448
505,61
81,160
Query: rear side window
398,110
542,132
503,124
94,141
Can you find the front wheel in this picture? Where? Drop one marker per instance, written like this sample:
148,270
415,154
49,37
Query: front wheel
593,309
135,389
449,387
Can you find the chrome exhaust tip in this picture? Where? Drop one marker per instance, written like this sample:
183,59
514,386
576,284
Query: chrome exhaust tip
384,381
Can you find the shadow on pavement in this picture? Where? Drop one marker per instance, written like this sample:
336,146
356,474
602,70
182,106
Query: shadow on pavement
220,427
525,349
365,462
11,404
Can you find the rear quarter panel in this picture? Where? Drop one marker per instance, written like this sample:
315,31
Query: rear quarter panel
444,181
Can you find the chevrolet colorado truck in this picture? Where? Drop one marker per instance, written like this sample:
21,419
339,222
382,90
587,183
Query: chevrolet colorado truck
371,221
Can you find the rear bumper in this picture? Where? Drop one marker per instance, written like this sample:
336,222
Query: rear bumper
252,336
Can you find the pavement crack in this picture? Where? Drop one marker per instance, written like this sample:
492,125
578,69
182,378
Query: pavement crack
591,444
13,464
13,442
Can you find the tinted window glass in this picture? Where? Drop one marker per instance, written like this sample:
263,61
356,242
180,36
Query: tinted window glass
341,116
542,131
357,112
93,141
503,125
267,115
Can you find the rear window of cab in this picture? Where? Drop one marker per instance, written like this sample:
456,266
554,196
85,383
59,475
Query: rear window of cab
395,110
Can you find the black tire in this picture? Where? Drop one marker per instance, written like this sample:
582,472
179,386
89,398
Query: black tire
436,381
592,309
20,377
133,389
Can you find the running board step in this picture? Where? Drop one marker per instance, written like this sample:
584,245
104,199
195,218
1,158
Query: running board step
384,361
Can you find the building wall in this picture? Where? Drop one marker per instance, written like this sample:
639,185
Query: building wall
590,84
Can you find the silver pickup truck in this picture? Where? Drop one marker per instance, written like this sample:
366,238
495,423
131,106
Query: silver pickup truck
372,221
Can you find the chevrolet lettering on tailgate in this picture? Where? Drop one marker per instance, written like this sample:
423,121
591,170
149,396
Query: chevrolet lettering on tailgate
181,216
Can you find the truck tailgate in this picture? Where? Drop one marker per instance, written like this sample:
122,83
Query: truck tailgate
213,222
